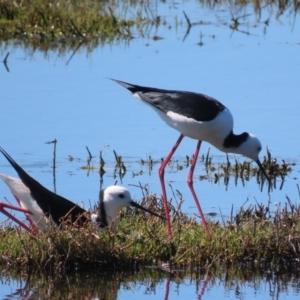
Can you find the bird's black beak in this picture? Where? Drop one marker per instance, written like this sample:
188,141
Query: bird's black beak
132,203
263,170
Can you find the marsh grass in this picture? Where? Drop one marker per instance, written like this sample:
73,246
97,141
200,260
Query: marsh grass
254,236
214,171
105,21
68,20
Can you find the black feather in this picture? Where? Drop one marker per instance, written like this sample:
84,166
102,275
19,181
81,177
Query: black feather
53,205
191,105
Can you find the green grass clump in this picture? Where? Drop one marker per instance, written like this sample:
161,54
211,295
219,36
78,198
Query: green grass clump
61,19
254,235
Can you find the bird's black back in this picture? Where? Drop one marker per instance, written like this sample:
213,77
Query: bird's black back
189,104
51,204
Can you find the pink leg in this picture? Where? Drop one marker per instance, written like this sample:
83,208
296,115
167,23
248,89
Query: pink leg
161,173
17,208
190,184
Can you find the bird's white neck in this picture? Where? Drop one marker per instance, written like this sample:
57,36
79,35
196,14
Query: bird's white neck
111,211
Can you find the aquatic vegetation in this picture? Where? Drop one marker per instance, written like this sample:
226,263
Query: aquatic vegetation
68,21
255,235
215,170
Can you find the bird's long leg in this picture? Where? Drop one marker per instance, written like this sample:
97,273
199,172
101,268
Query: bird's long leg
191,186
161,173
3,206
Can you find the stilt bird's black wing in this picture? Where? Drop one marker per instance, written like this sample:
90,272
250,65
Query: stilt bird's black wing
51,204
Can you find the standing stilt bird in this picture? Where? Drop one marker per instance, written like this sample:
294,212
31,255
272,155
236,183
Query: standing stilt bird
199,117
40,205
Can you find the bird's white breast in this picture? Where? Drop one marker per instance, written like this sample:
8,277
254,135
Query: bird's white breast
213,132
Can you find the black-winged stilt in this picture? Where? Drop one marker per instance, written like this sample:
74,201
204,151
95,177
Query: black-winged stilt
40,204
199,117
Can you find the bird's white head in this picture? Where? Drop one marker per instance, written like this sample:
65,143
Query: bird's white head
115,198
251,147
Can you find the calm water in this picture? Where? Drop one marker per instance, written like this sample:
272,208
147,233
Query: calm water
64,95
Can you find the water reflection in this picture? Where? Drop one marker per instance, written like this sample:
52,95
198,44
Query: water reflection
147,283
102,285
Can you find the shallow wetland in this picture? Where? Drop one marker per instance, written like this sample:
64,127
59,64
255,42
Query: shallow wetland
57,56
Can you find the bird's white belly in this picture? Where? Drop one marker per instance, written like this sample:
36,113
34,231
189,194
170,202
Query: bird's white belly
213,132
22,193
